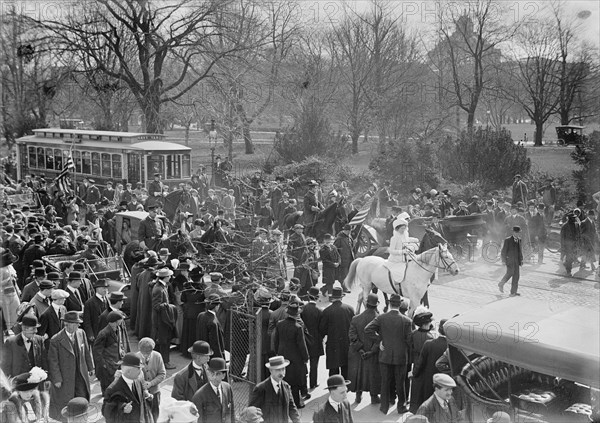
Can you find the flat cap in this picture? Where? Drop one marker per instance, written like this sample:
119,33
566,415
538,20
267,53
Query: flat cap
444,380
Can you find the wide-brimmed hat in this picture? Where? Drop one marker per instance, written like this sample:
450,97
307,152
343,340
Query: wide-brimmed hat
336,381
423,318
200,347
30,380
217,364
164,272
277,362
336,293
131,359
30,322
77,407
72,317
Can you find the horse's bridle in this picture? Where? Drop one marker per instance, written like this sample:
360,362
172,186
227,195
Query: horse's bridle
447,266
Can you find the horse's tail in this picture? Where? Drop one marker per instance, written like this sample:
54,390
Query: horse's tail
351,276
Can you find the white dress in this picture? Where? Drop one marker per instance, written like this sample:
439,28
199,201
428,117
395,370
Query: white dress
399,244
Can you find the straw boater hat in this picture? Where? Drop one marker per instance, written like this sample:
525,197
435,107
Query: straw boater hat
277,362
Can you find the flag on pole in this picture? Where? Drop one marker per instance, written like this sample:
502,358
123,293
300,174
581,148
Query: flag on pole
62,180
360,217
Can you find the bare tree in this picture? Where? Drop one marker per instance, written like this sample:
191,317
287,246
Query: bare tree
576,68
538,74
470,40
144,35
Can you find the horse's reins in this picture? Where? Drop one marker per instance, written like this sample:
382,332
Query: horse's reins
418,262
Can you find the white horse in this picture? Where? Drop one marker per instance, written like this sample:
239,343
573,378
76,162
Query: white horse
371,272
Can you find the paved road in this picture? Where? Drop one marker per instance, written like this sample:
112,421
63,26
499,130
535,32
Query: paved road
476,285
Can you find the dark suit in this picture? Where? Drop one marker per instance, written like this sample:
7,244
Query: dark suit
150,231
392,330
163,324
73,303
288,341
327,414
512,256
50,324
108,349
16,359
115,398
311,316
335,324
91,317
209,329
329,256
275,408
186,382
432,409
210,409
29,291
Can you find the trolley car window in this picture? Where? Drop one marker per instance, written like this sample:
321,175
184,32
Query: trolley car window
117,172
173,166
77,158
106,166
186,166
86,161
41,160
156,164
32,157
95,163
49,159
58,159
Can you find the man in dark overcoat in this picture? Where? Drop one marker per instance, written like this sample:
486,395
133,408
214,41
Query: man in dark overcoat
330,257
151,230
441,407
337,407
312,207
311,316
193,376
345,246
209,329
424,369
109,348
164,316
363,363
51,319
512,257
70,365
143,325
126,400
25,350
274,395
289,342
335,324
391,330
214,400
93,308
296,248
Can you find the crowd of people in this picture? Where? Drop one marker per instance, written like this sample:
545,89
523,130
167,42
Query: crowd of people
62,326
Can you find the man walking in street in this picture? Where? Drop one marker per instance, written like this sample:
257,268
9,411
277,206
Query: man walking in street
337,408
192,377
391,330
512,257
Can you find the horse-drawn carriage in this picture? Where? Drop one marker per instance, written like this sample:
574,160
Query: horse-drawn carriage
461,232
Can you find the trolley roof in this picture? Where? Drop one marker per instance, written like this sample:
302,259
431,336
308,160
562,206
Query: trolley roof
97,133
556,339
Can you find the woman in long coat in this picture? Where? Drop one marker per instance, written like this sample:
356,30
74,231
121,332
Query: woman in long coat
363,362
192,300
143,325
288,341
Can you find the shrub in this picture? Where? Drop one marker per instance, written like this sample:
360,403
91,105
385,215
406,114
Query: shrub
488,156
587,177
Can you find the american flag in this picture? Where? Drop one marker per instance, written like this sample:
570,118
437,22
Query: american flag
360,217
62,180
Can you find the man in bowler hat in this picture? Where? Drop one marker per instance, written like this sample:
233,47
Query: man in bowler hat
214,400
192,377
337,408
512,257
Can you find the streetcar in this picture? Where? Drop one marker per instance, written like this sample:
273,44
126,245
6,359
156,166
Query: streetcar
103,155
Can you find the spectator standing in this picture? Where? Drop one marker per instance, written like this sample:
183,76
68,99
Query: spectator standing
192,377
164,315
512,257
311,316
109,348
153,372
345,247
335,324
441,407
331,259
214,400
519,190
391,330
363,363
336,408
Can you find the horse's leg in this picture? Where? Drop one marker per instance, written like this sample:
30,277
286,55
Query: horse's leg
360,301
387,301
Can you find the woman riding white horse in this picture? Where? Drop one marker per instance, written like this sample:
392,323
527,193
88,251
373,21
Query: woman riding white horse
401,244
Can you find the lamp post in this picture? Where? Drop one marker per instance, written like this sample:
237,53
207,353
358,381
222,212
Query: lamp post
487,125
